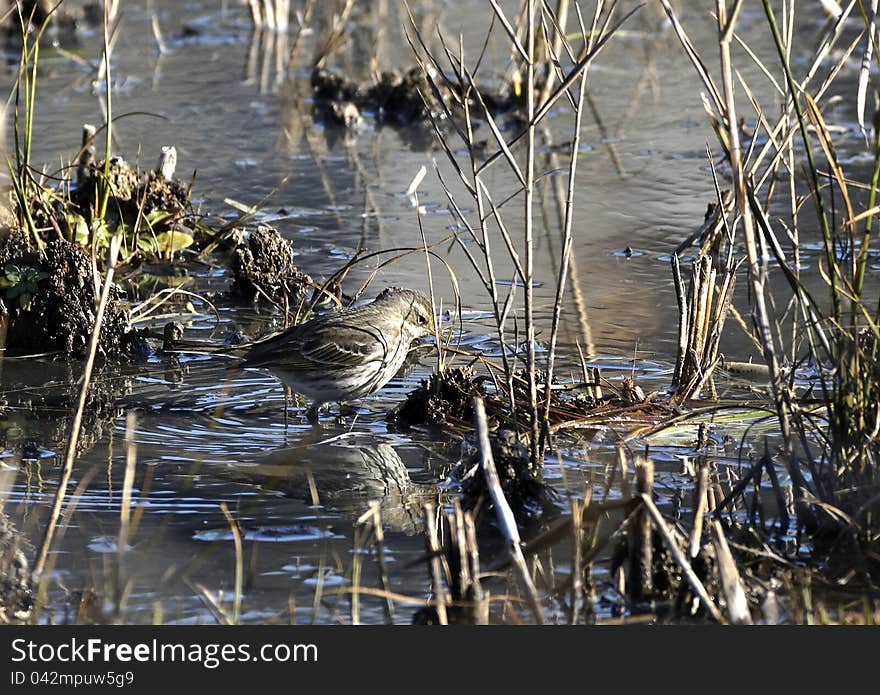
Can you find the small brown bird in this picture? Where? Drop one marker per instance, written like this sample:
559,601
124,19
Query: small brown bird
349,354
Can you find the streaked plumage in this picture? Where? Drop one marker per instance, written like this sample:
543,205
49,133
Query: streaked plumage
350,354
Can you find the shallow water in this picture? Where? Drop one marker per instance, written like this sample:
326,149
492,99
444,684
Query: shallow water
206,436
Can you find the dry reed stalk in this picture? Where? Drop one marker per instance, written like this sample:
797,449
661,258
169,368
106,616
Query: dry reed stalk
432,541
481,599
731,585
528,236
76,425
503,512
700,504
568,206
355,590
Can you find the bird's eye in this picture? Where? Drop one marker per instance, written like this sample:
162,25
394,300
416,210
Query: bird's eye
422,319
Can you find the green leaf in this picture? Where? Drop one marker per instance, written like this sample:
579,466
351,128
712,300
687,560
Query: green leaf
12,273
158,218
147,244
78,229
172,241
102,232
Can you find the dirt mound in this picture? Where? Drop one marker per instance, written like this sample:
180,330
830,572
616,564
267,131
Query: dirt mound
49,302
524,487
129,191
263,265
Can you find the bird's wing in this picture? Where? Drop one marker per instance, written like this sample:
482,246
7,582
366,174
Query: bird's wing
332,344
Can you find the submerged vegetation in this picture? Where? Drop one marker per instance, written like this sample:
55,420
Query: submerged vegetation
505,508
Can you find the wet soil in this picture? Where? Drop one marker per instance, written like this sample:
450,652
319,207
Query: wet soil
50,302
264,267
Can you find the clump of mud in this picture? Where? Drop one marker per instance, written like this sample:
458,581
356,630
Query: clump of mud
167,195
49,302
445,398
263,265
131,193
16,597
523,485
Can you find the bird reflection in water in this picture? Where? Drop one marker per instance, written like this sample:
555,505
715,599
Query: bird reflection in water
347,472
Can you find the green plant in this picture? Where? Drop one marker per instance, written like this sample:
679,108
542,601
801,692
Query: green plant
21,283
23,94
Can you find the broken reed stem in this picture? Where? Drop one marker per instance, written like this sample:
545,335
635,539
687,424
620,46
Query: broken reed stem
642,556
700,504
680,559
683,322
701,321
504,513
76,426
86,152
481,599
731,585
